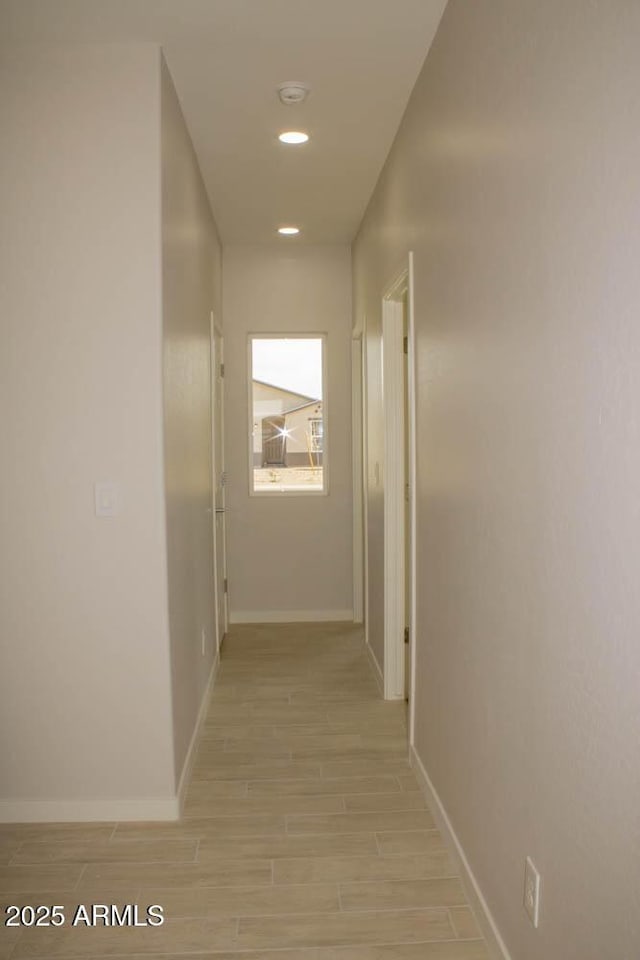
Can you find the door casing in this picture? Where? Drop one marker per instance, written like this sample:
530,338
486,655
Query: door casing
398,293
219,479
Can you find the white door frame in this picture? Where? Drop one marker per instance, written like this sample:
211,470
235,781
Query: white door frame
217,363
357,479
364,484
394,484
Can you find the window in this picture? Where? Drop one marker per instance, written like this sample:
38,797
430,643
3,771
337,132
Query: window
317,434
287,407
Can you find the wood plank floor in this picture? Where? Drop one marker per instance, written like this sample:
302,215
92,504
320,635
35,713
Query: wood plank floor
304,837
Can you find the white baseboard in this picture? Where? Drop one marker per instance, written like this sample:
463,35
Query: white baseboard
496,945
187,767
291,616
375,669
89,811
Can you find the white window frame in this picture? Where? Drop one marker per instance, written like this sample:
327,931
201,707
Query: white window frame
276,493
317,437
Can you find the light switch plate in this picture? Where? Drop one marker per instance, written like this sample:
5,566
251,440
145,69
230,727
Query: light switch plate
107,497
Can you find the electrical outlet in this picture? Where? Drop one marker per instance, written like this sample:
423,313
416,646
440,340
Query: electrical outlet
107,497
531,891
204,640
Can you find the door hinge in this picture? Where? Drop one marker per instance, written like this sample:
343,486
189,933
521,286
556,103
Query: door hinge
222,371
226,585
406,634
405,344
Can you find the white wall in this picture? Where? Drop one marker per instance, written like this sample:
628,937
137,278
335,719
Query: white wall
515,179
290,554
191,289
85,721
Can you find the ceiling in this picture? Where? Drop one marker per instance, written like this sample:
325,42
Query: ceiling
360,57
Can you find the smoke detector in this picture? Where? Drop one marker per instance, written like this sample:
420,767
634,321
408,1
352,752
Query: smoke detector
293,92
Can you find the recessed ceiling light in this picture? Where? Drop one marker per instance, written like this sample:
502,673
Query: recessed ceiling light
293,136
288,231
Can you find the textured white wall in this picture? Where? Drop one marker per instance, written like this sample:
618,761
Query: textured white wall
191,267
515,178
288,553
84,686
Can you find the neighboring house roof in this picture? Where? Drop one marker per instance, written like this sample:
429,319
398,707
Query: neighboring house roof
309,403
297,400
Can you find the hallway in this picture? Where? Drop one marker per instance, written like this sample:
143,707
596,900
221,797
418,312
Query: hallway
304,837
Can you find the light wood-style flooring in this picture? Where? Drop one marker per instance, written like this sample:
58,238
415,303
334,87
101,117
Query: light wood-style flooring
305,836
